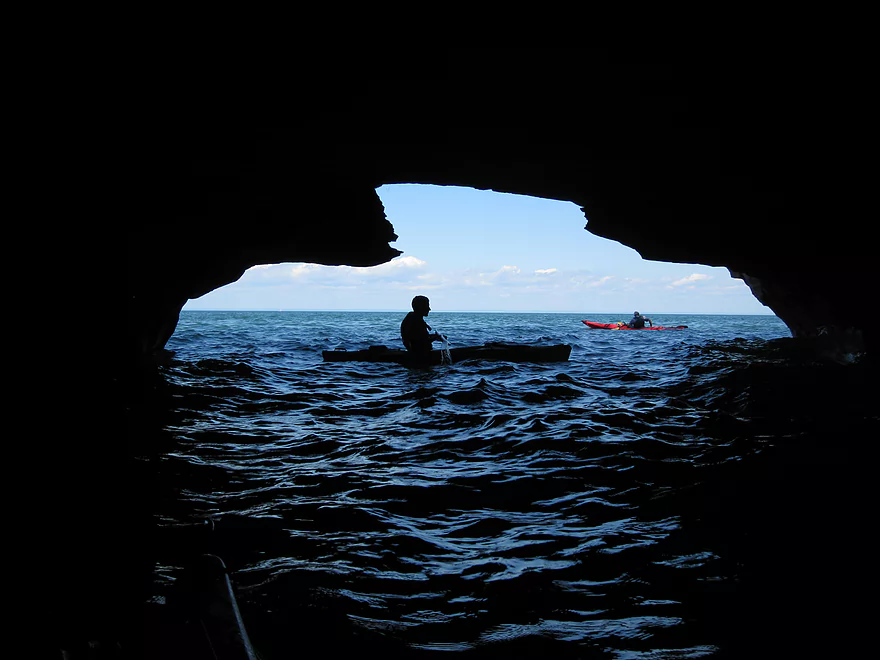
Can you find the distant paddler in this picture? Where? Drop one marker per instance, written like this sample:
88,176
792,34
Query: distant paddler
638,322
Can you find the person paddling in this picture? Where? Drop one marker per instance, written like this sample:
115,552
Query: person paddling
416,334
638,322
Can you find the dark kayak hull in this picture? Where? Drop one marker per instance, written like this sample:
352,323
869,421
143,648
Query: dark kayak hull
615,326
495,351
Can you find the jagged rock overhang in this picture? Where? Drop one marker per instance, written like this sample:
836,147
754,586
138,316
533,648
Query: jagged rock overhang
684,161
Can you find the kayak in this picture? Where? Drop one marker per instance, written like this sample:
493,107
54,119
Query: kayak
618,326
492,351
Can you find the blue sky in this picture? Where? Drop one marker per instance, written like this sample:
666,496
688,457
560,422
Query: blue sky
478,250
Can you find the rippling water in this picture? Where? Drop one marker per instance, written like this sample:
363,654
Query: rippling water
649,498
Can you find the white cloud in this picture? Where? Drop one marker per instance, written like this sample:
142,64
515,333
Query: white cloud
302,285
602,281
301,273
304,270
690,279
276,274
503,274
395,265
589,281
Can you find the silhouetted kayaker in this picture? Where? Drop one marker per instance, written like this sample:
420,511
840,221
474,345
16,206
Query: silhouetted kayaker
638,321
416,333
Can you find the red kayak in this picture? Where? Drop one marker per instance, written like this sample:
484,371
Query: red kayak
622,326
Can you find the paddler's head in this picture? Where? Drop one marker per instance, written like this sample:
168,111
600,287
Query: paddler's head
421,305
635,313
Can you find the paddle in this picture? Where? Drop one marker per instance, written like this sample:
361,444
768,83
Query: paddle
445,355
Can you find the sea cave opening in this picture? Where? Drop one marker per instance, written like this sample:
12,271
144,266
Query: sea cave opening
478,250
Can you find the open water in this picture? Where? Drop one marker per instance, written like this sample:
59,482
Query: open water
679,494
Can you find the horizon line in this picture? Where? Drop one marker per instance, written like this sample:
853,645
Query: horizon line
460,311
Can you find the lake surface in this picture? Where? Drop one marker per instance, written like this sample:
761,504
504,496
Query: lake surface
679,494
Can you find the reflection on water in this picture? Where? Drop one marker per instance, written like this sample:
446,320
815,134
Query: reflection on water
659,495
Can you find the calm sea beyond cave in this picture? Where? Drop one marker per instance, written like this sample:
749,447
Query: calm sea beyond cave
683,494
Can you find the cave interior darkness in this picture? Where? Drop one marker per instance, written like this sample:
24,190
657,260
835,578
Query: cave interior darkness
748,161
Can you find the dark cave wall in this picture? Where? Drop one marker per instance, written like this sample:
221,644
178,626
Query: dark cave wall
684,157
